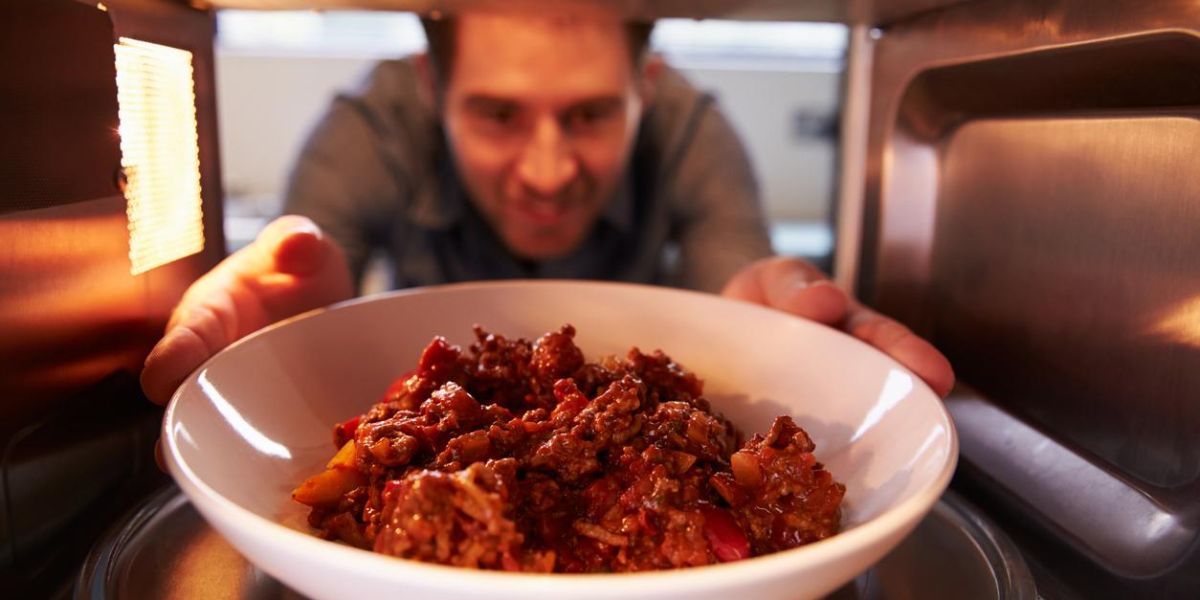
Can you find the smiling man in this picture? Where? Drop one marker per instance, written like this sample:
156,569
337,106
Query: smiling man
522,145
533,146
542,143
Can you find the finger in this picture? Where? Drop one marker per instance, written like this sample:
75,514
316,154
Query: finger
172,360
295,245
819,301
909,349
185,346
291,267
793,286
297,268
744,285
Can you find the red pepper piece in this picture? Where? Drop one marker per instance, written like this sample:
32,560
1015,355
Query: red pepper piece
724,536
390,488
398,386
345,431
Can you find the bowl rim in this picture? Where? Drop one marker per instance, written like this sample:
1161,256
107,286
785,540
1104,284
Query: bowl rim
218,509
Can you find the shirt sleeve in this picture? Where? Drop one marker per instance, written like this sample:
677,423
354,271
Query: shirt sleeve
720,225
352,174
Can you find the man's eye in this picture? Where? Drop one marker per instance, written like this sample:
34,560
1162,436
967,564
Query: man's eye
496,114
589,117
501,115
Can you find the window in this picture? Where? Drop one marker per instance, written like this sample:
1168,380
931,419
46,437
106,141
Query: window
356,33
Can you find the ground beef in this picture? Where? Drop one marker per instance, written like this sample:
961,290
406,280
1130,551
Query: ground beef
522,456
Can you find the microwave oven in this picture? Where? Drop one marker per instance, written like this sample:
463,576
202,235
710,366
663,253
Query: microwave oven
1018,183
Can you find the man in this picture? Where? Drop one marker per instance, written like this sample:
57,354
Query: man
563,151
524,145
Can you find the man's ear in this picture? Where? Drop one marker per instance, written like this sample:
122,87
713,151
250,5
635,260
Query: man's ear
427,87
652,68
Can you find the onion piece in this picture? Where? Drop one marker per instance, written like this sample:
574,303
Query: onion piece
746,469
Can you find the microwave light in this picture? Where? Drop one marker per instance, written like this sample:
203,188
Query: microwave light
160,153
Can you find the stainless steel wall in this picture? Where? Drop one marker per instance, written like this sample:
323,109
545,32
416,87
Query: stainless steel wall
1032,205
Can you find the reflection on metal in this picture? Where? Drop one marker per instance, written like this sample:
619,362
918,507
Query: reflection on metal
1030,205
1047,474
852,157
1180,324
160,153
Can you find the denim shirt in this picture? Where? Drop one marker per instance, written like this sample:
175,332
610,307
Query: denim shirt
376,175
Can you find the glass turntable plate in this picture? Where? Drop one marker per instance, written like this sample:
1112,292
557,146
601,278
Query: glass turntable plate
164,549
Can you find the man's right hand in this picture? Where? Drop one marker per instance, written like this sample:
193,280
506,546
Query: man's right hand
292,267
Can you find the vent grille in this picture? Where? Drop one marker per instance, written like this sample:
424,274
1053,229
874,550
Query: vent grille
160,153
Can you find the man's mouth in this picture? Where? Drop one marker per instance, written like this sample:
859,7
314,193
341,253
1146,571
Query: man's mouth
544,213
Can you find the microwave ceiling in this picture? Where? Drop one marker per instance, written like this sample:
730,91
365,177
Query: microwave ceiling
870,12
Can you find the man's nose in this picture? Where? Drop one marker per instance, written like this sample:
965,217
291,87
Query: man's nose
547,163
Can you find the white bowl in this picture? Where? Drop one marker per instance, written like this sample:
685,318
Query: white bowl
254,421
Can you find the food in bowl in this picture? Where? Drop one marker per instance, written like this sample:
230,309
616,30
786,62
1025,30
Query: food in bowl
522,456
253,422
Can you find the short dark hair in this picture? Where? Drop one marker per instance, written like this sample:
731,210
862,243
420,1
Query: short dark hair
440,35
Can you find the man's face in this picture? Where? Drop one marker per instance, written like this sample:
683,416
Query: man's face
541,113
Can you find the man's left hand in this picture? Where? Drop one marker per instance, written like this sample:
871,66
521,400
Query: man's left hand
797,287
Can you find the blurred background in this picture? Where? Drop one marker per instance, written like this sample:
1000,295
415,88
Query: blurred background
780,83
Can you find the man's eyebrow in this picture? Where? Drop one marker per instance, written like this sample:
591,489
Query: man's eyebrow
487,101
605,102
483,100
